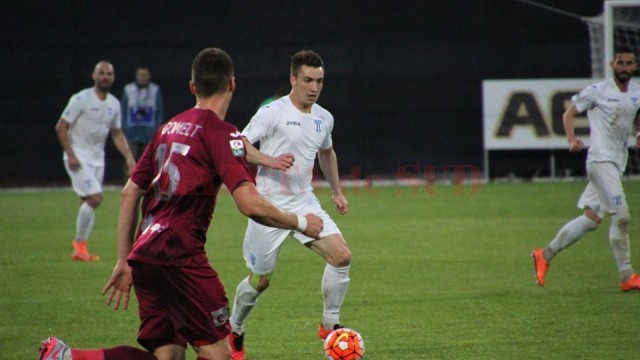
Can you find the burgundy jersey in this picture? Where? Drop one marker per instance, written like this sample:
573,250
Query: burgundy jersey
182,170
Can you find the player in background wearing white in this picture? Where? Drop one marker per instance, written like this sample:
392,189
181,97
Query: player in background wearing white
298,128
82,131
612,107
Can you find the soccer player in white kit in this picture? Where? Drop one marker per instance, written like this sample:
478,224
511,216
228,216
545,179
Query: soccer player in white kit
82,131
298,128
612,108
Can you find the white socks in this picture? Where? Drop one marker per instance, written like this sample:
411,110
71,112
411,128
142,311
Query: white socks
619,239
84,222
335,283
245,300
568,234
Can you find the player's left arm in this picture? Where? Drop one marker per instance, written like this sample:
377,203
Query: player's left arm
328,161
120,140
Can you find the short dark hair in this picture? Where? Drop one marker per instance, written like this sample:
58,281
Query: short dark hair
623,50
211,70
305,57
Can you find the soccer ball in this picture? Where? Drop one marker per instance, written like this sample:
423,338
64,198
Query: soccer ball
344,344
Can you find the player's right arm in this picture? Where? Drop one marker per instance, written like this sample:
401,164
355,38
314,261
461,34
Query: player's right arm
62,130
121,279
256,157
261,125
568,120
258,208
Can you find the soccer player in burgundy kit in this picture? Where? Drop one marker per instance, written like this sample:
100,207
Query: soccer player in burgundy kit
181,299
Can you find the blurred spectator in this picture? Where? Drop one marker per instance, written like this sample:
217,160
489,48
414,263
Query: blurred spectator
142,111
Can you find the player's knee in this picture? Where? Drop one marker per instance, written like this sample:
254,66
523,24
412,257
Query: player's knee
94,200
218,351
593,216
260,282
621,219
342,258
222,354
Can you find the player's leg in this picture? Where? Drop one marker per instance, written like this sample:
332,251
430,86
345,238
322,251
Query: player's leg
247,293
54,349
219,350
607,179
260,250
571,232
180,305
153,286
335,280
87,183
197,311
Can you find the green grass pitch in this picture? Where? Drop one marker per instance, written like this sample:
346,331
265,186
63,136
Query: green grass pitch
437,273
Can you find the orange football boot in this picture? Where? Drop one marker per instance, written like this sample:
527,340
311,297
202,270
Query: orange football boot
81,253
540,265
632,284
237,346
323,333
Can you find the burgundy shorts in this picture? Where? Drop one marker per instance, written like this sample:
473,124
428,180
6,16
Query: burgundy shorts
180,305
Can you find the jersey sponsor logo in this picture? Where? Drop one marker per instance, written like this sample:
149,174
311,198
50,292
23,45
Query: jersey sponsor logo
612,100
295,123
237,147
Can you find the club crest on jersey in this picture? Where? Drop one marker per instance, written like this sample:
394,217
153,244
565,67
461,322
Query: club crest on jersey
634,100
318,124
237,147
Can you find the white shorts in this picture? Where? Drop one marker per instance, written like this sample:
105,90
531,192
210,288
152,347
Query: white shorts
263,243
604,193
87,180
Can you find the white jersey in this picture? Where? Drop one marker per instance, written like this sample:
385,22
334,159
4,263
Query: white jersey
90,120
611,114
281,128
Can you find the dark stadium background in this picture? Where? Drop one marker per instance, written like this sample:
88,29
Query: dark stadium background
403,78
